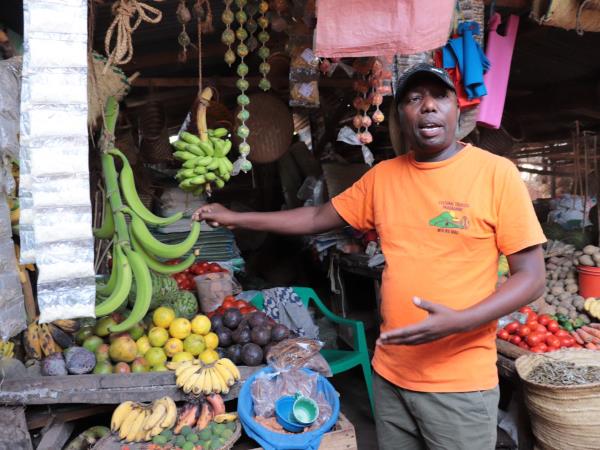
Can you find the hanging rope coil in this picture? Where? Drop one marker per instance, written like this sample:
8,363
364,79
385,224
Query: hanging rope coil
124,11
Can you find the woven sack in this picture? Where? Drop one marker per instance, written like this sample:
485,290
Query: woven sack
580,15
562,417
271,128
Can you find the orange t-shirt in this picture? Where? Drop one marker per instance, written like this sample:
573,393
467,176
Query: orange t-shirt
442,226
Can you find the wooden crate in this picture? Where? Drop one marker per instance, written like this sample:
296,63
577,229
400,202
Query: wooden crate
342,437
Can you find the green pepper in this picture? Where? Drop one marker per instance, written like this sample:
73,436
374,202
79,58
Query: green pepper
568,326
578,323
561,317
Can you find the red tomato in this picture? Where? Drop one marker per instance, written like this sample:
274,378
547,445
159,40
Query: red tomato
173,262
552,348
246,309
525,310
532,317
523,345
552,341
515,340
561,333
534,339
512,327
240,304
523,330
503,334
553,326
214,267
541,329
228,302
543,346
544,319
538,349
533,325
566,341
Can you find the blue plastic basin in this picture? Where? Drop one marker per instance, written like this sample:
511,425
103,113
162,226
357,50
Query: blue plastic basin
284,413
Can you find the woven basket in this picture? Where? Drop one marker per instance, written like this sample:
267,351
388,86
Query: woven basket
562,417
580,15
154,136
271,128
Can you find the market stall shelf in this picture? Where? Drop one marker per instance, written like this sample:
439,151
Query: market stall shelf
100,389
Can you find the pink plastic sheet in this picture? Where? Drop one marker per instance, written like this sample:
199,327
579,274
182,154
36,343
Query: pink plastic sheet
352,28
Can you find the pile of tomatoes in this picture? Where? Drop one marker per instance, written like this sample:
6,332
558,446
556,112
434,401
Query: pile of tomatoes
539,334
231,302
185,279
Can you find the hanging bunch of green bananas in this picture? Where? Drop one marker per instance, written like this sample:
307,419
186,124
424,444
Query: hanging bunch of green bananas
205,163
135,250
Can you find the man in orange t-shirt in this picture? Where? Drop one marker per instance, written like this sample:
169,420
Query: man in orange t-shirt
443,212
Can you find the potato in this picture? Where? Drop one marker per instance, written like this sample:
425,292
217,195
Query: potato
596,257
578,253
555,260
562,310
556,302
590,249
564,296
550,310
586,260
549,298
557,290
585,318
569,281
572,288
551,267
578,304
573,314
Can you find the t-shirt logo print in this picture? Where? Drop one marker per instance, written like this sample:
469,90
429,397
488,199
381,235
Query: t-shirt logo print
450,220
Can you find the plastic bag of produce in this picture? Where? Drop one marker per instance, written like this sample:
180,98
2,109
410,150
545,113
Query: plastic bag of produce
213,288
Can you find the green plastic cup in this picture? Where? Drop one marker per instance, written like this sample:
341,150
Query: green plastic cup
305,410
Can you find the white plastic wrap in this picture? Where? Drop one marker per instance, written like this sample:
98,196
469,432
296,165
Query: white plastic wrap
349,136
12,307
57,219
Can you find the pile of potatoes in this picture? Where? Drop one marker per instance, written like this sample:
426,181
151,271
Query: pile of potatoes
590,256
561,292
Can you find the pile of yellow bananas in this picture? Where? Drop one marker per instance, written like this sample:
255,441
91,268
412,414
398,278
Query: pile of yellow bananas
197,378
136,422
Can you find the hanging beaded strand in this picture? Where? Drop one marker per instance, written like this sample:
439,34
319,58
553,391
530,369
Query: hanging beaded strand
228,36
183,17
242,164
263,51
251,25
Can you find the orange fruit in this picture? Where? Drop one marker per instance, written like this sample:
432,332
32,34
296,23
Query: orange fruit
163,316
143,345
212,340
155,356
173,346
180,328
182,356
201,325
209,356
194,344
158,336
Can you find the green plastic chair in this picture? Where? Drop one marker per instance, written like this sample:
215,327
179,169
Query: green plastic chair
339,360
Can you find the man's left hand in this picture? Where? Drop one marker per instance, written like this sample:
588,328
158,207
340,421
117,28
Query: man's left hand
441,322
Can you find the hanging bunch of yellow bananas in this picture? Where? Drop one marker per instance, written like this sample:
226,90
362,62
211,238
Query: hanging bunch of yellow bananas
135,250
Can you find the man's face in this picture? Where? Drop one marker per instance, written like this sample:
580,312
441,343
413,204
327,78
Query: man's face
429,113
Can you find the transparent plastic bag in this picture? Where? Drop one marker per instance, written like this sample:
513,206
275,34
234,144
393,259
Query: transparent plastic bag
298,353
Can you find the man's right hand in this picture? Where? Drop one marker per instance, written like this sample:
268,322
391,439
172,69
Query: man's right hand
215,215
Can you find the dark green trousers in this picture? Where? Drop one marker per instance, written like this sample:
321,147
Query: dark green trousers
434,421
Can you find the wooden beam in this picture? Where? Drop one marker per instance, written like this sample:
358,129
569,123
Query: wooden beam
227,81
169,58
13,429
56,436
100,389
41,418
